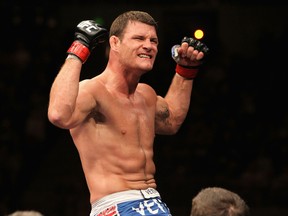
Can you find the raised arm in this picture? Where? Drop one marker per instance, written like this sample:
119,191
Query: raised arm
172,110
68,106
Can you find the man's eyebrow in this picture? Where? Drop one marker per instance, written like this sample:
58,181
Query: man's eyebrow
154,39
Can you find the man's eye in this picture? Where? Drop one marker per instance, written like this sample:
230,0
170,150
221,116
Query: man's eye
154,42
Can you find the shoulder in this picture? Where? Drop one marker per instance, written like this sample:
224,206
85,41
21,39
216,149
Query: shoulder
93,83
146,89
147,92
92,89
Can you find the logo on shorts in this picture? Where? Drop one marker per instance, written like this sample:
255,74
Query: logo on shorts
151,207
111,211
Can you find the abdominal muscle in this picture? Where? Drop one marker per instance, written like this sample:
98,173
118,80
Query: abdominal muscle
115,159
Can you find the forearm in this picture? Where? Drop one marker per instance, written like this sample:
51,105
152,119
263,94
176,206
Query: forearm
178,97
65,88
188,57
172,111
64,92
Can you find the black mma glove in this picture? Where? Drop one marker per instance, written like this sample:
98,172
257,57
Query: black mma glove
198,45
88,35
189,72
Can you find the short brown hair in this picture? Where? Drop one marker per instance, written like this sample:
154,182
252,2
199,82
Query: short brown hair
120,23
215,201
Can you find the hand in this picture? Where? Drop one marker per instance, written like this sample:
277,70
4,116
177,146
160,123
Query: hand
190,53
88,35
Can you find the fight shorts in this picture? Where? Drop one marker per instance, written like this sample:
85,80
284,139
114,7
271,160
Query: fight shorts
131,203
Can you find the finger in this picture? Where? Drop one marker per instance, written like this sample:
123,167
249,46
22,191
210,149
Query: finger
191,53
194,55
200,56
183,50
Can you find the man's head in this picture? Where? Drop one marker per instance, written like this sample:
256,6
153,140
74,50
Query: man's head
26,213
215,201
120,23
133,43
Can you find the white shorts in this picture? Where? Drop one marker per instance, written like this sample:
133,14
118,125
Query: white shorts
131,202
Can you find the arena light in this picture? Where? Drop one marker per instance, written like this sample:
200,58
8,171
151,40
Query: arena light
199,34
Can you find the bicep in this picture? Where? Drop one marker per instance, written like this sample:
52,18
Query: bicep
163,117
85,103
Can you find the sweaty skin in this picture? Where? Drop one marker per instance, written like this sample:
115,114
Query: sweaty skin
113,118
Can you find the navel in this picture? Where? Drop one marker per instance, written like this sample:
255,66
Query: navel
123,132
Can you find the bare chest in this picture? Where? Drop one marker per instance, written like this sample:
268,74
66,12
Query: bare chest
133,114
125,115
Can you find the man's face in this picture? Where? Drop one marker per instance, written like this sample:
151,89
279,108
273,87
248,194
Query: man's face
139,46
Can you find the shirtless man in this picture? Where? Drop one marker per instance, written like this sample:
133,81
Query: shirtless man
113,118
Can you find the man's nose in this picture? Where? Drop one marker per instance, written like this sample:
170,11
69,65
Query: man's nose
147,44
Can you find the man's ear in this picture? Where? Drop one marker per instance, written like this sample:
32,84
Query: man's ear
114,42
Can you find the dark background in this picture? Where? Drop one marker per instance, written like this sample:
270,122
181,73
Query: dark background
235,134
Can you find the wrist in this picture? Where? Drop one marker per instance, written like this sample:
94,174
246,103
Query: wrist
188,72
72,56
79,50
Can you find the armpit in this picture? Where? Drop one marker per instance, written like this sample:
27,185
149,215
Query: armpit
97,116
